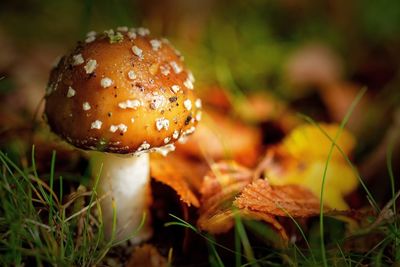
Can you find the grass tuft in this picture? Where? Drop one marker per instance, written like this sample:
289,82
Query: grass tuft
40,227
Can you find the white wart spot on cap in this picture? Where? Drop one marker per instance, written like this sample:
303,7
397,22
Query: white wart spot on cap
54,85
175,88
143,31
157,101
109,32
165,70
189,131
90,39
90,66
113,128
91,33
86,106
131,34
182,139
96,124
121,127
162,123
77,60
164,150
178,54
198,115
106,82
185,135
133,104
177,69
143,146
155,44
188,83
166,140
190,76
71,92
187,104
197,103
131,75
137,51
175,135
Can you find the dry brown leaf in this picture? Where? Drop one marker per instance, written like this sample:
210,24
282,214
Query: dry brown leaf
220,137
256,200
295,200
220,187
181,174
147,255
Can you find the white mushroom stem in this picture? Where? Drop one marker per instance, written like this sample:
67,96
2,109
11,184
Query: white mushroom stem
125,180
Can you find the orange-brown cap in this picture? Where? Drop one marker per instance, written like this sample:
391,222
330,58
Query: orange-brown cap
123,92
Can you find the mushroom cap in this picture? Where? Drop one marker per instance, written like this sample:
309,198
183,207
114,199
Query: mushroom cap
122,92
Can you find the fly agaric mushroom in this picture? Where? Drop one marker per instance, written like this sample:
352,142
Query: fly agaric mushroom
122,92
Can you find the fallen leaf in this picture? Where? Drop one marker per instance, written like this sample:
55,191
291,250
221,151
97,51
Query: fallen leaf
285,200
228,190
147,255
219,137
181,174
307,142
301,158
220,187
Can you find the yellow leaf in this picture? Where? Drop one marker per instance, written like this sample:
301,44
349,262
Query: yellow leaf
307,141
301,158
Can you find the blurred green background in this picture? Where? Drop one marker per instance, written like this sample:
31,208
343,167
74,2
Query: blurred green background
252,39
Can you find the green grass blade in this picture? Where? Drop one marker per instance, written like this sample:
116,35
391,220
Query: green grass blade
389,156
342,254
215,259
248,250
300,230
238,248
181,222
341,127
40,187
52,166
185,224
364,186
